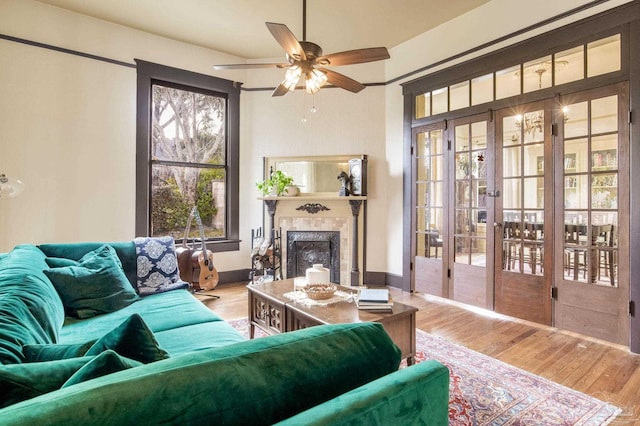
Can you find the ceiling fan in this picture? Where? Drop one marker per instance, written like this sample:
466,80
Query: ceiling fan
305,60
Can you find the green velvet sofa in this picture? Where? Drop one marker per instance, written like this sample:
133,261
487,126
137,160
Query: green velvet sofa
165,358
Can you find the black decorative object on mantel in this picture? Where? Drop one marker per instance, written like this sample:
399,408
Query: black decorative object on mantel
344,179
313,208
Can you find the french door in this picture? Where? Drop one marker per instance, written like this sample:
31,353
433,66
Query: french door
521,212
430,225
471,213
452,235
524,212
592,214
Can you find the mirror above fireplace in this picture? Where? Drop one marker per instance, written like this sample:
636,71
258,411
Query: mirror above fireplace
318,175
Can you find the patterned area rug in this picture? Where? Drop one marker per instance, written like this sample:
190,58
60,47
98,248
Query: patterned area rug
485,391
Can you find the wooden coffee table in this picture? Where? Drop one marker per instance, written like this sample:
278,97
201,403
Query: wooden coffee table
274,313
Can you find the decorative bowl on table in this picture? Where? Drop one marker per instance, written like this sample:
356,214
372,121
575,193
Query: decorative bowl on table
320,291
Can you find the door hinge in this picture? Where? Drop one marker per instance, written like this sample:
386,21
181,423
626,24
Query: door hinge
554,293
411,149
448,273
632,308
446,124
630,117
411,266
449,145
554,130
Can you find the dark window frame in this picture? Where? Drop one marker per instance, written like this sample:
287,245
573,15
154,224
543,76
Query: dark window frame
148,74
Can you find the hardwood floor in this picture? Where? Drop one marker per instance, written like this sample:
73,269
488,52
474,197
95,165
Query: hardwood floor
601,369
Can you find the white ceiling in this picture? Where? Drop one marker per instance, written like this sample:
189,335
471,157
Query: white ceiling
237,26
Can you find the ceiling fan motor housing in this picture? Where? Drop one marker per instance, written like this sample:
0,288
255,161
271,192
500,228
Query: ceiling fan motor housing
311,50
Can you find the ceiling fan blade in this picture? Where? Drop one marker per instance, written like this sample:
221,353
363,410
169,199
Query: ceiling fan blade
357,56
287,40
342,81
245,66
280,91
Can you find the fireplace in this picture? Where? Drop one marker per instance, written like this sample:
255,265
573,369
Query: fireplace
305,248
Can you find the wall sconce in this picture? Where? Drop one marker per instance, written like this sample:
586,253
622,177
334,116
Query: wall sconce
10,187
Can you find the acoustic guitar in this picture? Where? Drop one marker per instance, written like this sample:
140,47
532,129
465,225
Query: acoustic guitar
208,278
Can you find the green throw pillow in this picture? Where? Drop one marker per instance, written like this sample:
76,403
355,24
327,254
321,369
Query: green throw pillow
106,363
40,353
131,339
24,381
96,285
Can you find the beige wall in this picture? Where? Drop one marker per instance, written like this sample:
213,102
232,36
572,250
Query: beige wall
69,128
68,123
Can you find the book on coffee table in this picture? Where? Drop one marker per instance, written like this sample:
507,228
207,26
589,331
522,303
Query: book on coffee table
374,299
374,295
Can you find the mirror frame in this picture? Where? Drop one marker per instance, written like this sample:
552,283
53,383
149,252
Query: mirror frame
272,162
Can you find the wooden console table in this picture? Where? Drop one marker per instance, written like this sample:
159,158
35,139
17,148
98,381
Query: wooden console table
273,313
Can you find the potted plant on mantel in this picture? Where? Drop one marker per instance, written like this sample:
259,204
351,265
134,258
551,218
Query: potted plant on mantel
279,184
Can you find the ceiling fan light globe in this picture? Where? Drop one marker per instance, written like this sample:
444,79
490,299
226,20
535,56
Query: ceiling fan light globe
10,187
311,88
291,77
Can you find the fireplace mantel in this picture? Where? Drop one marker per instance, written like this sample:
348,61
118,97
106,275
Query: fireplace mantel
316,197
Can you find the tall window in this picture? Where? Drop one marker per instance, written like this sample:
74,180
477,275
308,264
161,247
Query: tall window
187,155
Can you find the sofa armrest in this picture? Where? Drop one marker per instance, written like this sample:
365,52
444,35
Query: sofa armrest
415,395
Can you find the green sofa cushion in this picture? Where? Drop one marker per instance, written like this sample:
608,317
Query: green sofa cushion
19,382
42,353
31,311
258,381
162,311
125,250
198,337
131,339
96,285
106,363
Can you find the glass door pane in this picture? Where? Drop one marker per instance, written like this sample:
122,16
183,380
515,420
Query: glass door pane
523,192
591,191
470,228
429,193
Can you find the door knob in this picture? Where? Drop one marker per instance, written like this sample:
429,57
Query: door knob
497,225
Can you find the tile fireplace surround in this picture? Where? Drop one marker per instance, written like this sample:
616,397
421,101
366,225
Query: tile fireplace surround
324,213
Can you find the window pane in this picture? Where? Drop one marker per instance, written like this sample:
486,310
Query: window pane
462,138
174,192
440,101
569,65
537,74
534,157
511,195
508,82
511,130
575,120
533,126
603,56
604,153
575,156
459,94
576,192
534,193
187,127
482,89
511,161
604,115
423,105
604,191
479,132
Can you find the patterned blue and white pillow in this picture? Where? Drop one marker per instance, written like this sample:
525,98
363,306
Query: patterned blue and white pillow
157,265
